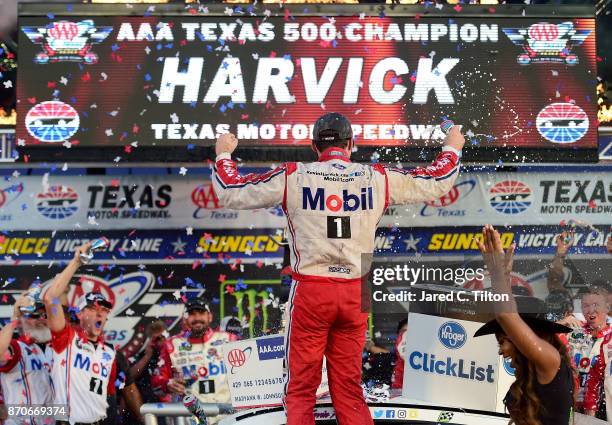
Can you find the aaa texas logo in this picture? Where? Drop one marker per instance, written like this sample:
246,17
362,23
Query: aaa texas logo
546,42
66,41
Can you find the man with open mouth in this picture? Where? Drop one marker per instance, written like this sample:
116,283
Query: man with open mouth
585,342
84,366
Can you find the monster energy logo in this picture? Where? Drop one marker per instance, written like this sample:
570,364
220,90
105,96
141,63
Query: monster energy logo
251,295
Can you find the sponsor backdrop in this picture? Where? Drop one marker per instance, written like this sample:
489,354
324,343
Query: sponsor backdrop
255,371
447,366
168,81
176,201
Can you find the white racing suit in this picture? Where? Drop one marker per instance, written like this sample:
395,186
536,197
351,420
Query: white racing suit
333,207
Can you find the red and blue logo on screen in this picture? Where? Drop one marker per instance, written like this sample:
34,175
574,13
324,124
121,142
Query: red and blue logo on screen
562,123
66,41
52,121
546,42
58,202
510,197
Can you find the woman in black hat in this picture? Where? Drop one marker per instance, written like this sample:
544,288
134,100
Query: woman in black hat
543,391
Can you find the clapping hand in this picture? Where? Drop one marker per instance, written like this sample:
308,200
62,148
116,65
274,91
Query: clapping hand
498,261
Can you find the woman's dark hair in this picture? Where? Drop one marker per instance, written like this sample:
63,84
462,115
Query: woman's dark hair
526,406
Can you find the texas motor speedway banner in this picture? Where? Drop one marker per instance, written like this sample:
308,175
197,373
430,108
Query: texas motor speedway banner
189,202
266,76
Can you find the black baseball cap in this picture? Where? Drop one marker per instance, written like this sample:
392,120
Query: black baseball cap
194,304
332,127
94,298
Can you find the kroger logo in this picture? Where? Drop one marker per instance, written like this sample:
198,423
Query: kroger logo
452,335
348,201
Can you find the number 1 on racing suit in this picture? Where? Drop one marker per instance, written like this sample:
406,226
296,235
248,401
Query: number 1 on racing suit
333,207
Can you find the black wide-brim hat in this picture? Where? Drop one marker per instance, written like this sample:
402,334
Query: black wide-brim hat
532,311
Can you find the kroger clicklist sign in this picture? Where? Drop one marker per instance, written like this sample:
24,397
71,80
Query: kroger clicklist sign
446,365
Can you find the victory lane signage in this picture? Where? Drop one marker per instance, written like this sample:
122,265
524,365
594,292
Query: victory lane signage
263,246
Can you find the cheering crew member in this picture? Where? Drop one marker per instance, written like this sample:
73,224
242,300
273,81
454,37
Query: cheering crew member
193,360
25,362
84,370
584,342
333,207
543,391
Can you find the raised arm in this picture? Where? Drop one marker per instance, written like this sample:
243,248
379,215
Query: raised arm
564,242
6,334
251,191
430,183
499,263
55,314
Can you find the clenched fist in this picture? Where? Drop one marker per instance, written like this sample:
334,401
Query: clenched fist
454,138
226,143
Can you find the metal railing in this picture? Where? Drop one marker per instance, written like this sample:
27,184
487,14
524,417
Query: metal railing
151,411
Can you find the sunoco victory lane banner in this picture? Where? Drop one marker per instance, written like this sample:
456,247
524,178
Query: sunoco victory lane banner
260,245
175,201
176,81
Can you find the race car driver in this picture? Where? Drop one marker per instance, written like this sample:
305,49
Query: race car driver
84,367
333,207
193,360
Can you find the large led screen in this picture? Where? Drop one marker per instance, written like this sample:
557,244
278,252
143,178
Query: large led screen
512,82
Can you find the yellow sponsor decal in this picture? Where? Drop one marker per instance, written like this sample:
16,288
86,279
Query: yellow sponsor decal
11,246
458,241
240,243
